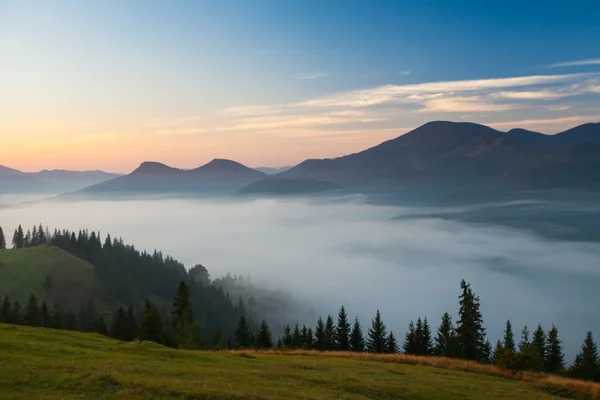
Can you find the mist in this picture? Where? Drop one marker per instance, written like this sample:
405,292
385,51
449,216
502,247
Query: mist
329,252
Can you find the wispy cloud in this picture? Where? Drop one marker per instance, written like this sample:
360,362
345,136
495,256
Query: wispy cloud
312,75
578,63
559,108
404,72
463,104
531,95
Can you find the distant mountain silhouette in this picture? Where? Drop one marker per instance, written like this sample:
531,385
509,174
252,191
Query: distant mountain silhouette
460,153
152,177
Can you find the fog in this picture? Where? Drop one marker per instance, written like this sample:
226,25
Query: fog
326,253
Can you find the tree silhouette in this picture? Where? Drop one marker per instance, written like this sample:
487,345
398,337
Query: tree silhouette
587,364
391,345
264,340
377,335
243,336
444,340
342,331
555,359
470,334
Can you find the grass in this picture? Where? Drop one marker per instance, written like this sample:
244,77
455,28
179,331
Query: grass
48,364
23,272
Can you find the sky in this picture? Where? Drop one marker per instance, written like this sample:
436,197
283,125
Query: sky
110,84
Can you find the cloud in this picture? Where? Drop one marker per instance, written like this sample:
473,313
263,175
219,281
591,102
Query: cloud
579,63
463,104
533,95
405,72
559,108
312,75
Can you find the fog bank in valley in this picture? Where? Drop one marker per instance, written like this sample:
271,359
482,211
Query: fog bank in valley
331,252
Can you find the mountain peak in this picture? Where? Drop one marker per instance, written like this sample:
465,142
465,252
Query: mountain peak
153,167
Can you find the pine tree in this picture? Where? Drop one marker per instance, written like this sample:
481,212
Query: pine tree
33,241
509,339
330,333
297,338
486,353
243,336
56,317
41,239
538,345
264,340
27,239
32,312
100,326
44,315
287,340
410,340
306,341
498,354
470,334
18,238
320,339
587,363
118,328
17,314
525,355
309,340
377,335
426,342
2,240
444,340
131,326
555,359
183,321
391,345
151,325
6,312
357,341
342,331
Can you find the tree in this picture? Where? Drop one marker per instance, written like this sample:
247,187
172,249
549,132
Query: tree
470,334
118,328
264,340
151,325
377,335
587,364
44,315
18,238
297,338
424,342
32,312
486,353
391,345
320,339
131,326
555,359
183,321
2,240
509,339
309,339
538,345
287,340
100,326
17,315
330,334
243,336
525,356
410,340
33,240
342,331
444,340
56,317
6,313
357,340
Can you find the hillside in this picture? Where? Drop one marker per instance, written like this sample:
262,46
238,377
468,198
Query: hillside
38,362
48,273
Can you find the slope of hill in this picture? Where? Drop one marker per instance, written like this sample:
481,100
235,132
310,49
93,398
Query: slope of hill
48,273
39,362
280,186
218,176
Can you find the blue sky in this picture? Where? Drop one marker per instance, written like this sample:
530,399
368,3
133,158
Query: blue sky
108,84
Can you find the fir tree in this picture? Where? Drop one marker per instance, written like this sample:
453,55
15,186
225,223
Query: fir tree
330,334
6,313
17,315
287,340
525,355
2,240
444,340
538,345
320,339
183,321
555,359
342,331
426,344
100,326
377,335
56,317
264,340
509,339
391,345
486,353
310,341
118,328
32,312
587,363
306,341
44,315
71,321
33,241
470,334
18,238
297,338
410,340
243,336
131,326
357,341
151,325
498,354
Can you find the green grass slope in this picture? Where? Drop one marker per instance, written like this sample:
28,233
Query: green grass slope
48,364
48,273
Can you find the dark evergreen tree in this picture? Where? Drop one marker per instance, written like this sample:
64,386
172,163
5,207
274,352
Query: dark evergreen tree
297,339
342,331
391,345
486,353
18,238
310,339
525,355
444,340
100,326
555,359
587,363
509,338
287,340
17,313
330,334
264,340
44,315
410,340
71,321
183,322
32,312
377,335
470,334
151,325
33,238
306,341
2,240
56,320
538,345
118,328
6,313
320,339
243,336
357,340
498,354
426,344
131,326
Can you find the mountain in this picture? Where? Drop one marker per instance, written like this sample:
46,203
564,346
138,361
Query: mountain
461,154
279,186
55,181
218,176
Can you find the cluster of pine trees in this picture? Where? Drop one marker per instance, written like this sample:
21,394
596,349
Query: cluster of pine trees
34,237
